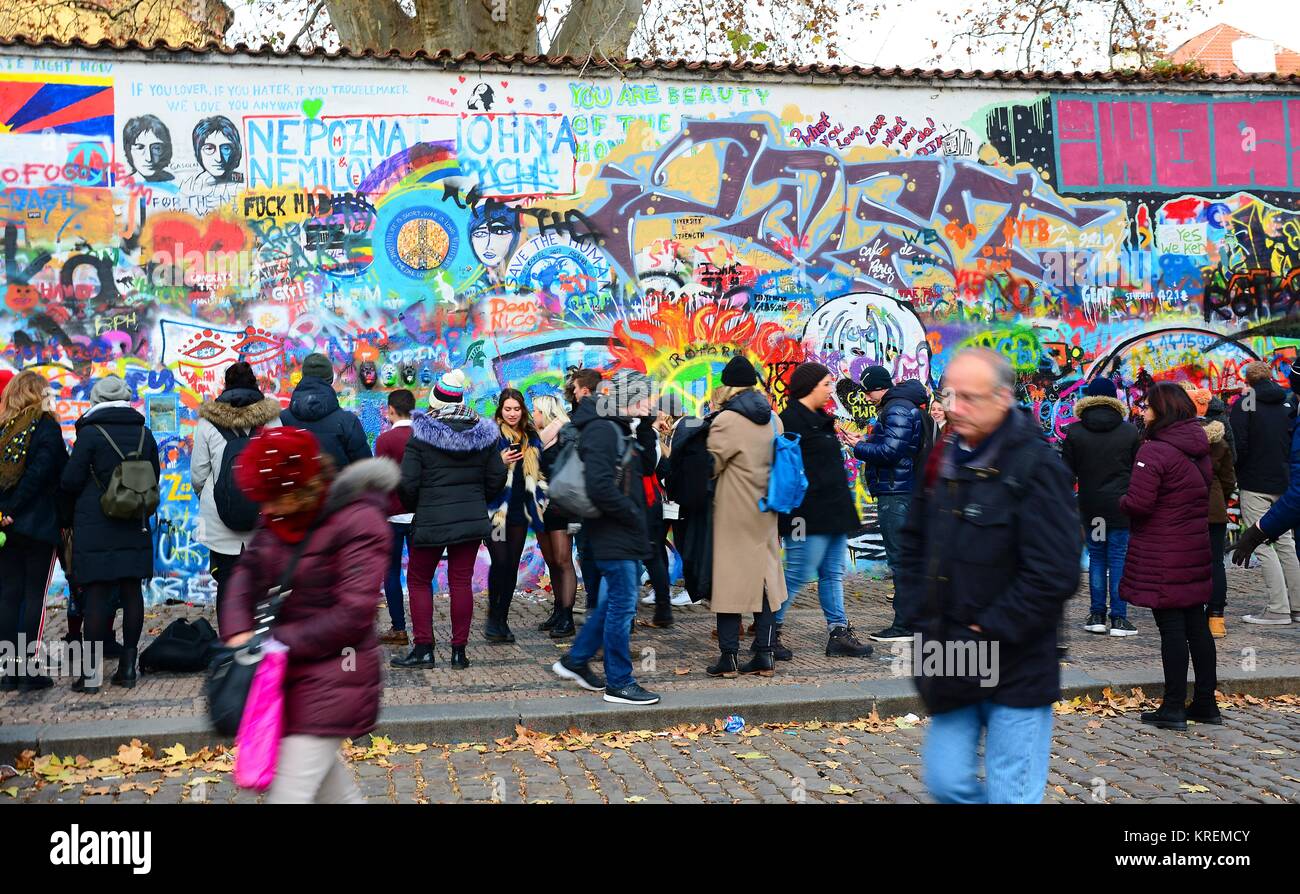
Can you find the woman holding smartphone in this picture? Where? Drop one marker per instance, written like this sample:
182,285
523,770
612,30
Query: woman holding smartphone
522,505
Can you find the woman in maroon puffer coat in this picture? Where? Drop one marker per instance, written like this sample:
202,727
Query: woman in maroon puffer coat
1168,564
335,677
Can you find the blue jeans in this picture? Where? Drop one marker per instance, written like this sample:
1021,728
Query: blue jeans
609,624
822,555
891,513
1107,557
1017,749
393,582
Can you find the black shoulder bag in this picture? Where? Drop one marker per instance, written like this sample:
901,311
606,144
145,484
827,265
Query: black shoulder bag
231,673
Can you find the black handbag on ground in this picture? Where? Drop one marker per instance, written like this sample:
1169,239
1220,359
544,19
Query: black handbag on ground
231,672
182,647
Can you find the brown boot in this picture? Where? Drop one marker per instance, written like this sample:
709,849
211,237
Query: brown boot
395,638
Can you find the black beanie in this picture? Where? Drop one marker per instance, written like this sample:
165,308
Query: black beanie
739,373
804,379
876,378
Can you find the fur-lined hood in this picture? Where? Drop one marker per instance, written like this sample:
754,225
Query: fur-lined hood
1214,431
1088,403
456,436
376,477
229,416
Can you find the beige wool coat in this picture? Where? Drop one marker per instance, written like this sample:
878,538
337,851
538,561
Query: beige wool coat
746,549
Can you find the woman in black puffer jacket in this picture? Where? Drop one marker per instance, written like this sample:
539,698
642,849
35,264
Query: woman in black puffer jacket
450,472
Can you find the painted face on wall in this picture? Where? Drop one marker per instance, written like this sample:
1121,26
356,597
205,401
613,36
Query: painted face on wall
369,374
408,374
147,155
492,240
216,155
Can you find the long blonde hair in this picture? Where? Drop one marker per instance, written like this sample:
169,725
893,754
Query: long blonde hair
551,408
724,393
28,390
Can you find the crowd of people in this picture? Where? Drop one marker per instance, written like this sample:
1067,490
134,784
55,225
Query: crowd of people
982,523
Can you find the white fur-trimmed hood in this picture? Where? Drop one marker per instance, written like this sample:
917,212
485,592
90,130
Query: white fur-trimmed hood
377,475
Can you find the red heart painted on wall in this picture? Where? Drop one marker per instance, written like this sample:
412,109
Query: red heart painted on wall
462,79
453,90
504,83
510,99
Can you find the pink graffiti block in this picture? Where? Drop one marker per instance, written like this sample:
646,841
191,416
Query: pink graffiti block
1182,137
1249,148
1125,143
1293,117
1076,136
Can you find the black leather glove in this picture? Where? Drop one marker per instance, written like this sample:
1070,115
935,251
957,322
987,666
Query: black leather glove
1250,540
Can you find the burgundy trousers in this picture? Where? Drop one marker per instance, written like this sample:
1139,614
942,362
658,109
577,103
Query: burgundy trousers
460,577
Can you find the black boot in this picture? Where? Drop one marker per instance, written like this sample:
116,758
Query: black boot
663,616
503,616
420,656
843,642
726,666
763,664
89,681
780,651
125,675
1204,711
552,618
458,659
1166,718
564,627
9,679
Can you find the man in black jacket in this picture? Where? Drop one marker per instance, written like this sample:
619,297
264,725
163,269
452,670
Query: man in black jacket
580,385
889,455
1262,420
1099,450
315,407
618,538
990,554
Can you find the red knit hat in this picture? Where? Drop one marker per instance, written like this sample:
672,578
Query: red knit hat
277,461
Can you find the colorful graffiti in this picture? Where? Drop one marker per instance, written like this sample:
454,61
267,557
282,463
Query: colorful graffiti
159,222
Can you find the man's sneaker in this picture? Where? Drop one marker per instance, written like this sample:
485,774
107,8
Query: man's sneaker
1274,618
843,642
648,599
1096,623
631,694
395,638
892,634
581,674
1122,627
1218,627
681,597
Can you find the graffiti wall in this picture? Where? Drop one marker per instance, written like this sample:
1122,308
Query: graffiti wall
162,220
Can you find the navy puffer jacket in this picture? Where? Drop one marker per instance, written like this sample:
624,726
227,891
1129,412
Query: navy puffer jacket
315,407
889,452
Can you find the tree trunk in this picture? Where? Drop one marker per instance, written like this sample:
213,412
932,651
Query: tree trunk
597,27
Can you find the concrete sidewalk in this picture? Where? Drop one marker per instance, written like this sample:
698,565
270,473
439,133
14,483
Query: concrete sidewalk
512,684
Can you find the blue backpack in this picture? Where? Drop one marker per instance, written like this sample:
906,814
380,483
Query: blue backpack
787,484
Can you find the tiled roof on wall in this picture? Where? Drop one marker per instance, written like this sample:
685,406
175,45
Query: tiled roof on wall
1213,49
447,58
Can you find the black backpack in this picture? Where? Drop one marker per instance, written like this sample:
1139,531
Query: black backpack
182,647
690,470
235,510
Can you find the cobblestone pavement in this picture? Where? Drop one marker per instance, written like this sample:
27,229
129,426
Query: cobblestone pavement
1253,757
670,660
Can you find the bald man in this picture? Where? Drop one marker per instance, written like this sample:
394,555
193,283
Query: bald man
991,552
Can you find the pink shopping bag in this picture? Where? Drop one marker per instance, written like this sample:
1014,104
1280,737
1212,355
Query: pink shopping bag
258,739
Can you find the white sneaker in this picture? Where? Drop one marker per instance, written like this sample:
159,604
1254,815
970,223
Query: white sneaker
683,598
648,600
1274,618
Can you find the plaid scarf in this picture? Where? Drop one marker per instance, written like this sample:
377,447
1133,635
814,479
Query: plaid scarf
15,439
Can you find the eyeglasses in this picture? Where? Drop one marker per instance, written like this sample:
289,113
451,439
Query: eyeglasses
950,396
